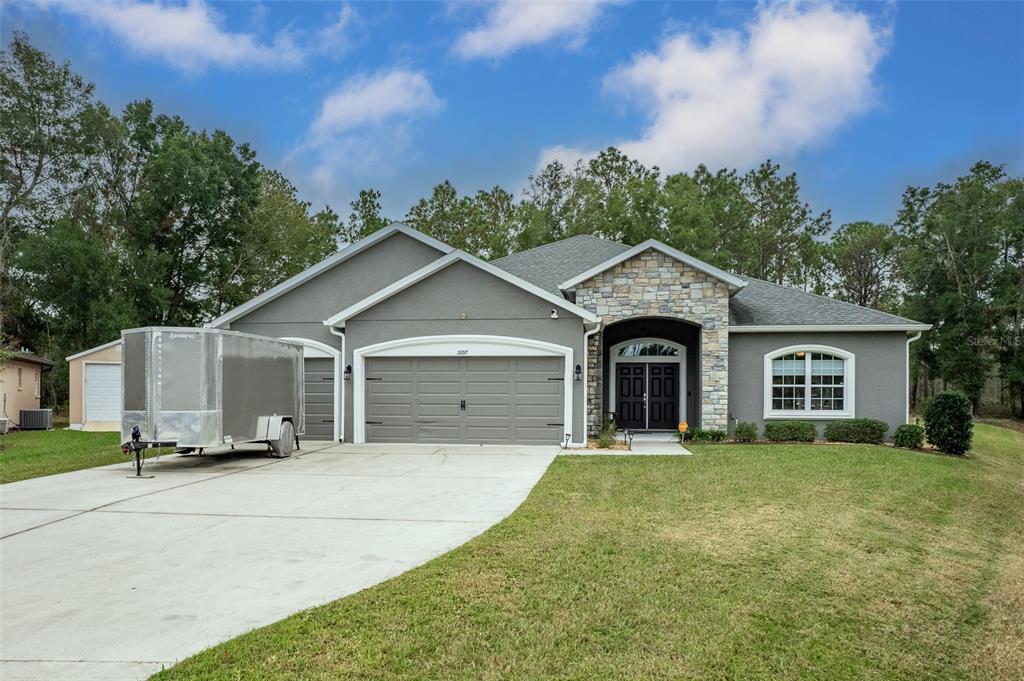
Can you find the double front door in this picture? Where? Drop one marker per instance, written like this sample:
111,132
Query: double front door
647,395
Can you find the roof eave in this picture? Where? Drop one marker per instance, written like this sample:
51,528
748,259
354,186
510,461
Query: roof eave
822,328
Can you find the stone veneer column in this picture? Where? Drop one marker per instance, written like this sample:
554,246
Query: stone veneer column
653,284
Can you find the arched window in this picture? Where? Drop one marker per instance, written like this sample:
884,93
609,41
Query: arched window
647,348
809,381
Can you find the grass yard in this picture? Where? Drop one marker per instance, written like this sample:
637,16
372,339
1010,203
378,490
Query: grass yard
34,453
742,562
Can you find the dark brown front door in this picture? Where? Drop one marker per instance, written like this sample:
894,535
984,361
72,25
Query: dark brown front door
663,396
647,395
630,389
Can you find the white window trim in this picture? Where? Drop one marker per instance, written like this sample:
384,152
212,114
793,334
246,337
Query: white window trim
312,348
459,345
849,386
680,359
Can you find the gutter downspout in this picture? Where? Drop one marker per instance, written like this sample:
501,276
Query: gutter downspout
339,383
910,340
586,364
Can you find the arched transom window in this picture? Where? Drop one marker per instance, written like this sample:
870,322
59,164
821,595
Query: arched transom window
809,382
647,348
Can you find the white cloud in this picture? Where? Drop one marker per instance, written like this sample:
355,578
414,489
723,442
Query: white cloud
567,156
374,99
788,81
364,128
511,24
188,36
336,37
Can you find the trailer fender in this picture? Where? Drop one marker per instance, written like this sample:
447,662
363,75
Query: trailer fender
279,432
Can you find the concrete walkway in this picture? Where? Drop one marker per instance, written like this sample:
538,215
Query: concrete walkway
109,578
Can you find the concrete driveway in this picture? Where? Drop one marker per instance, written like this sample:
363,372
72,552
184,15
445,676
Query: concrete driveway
109,578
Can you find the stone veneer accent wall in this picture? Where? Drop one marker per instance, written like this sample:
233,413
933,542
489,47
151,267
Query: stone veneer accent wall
653,284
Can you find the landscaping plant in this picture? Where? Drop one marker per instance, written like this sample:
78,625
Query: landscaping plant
745,432
867,431
790,431
949,422
909,436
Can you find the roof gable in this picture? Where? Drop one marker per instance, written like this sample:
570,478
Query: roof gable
325,265
440,264
735,283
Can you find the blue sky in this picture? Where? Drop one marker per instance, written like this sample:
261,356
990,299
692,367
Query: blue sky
859,99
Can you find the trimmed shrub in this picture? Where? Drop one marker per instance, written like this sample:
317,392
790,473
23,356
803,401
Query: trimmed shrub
704,435
909,436
746,431
949,423
868,431
790,431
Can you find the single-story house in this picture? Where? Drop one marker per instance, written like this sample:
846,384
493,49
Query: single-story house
411,340
94,384
20,384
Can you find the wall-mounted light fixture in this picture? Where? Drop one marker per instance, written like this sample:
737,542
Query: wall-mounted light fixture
578,373
554,313
348,372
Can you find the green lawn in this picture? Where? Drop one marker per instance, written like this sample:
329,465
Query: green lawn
742,562
33,453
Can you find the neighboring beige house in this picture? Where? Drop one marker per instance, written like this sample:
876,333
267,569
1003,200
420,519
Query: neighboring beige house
20,384
94,382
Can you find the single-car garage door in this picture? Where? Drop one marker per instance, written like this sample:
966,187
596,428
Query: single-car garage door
319,398
478,400
102,392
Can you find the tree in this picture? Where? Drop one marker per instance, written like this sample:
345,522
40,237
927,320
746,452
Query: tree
617,198
547,206
783,229
1008,298
862,259
281,240
46,132
189,222
708,216
951,270
365,217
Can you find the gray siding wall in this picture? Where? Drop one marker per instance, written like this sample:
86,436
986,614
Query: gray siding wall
491,306
880,391
301,311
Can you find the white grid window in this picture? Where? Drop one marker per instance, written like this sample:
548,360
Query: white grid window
809,382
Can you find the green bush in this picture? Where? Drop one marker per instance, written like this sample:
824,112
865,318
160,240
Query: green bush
790,431
605,440
868,431
746,431
949,423
909,436
704,435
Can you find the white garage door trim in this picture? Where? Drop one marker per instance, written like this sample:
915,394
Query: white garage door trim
85,391
464,345
312,348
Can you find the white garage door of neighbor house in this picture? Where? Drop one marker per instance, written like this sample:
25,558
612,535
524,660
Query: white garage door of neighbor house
102,392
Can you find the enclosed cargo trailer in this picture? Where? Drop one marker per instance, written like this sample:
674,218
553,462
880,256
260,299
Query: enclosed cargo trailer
199,388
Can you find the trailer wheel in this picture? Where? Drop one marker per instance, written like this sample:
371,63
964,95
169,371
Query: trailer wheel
285,443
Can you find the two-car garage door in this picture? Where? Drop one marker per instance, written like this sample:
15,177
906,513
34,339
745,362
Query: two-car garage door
478,400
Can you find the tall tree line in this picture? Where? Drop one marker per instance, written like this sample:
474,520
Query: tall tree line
111,220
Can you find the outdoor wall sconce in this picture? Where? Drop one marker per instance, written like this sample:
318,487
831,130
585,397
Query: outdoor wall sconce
578,373
348,372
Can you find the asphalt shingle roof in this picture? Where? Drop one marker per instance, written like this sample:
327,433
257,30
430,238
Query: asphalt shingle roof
549,265
759,303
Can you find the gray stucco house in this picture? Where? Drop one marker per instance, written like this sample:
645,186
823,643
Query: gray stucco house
410,340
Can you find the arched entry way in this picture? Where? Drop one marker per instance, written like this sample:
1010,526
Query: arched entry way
651,373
